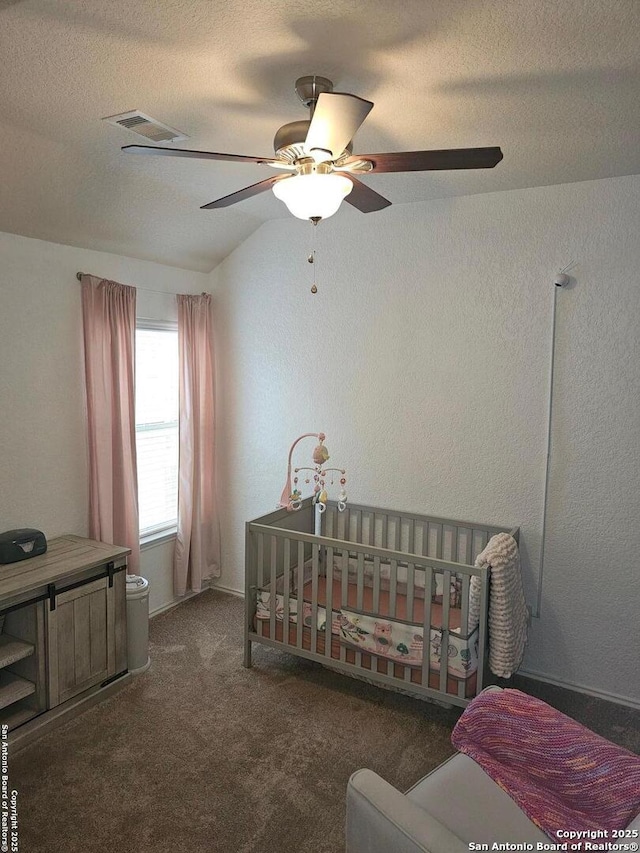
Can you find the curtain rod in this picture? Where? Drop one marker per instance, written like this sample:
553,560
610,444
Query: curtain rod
148,289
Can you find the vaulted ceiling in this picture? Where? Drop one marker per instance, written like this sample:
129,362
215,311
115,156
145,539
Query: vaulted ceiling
555,84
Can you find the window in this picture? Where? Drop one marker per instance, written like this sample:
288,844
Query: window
157,426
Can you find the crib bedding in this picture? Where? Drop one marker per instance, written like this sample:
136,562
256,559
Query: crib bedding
370,663
372,630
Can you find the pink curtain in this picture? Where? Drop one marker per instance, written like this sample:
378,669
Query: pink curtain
197,554
109,321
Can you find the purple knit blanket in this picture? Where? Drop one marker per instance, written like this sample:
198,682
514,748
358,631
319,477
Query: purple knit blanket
562,776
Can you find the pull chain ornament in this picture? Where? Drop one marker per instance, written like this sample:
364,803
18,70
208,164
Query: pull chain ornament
312,257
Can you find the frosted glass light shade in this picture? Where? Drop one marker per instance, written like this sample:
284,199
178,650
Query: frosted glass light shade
312,195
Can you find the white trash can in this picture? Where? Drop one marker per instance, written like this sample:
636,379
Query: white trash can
137,624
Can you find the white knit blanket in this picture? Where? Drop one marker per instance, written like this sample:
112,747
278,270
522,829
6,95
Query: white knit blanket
507,607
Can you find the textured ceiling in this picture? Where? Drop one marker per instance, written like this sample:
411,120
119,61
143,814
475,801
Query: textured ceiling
555,84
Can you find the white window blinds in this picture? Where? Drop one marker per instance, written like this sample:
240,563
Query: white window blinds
157,426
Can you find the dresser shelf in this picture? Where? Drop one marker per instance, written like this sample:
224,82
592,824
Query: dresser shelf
12,649
13,688
16,714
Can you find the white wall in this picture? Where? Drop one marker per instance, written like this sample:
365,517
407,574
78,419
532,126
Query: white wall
424,357
43,464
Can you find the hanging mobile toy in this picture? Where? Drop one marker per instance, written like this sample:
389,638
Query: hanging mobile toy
292,499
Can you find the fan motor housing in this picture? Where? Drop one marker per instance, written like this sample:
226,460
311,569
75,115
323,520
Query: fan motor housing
288,143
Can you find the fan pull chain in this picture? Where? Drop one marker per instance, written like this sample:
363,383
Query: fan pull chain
312,256
312,260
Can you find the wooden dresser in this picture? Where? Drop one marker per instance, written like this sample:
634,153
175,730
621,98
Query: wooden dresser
64,638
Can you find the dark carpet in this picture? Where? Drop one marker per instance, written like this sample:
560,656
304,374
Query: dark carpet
199,755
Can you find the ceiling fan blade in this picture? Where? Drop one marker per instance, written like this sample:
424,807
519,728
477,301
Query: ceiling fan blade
247,192
426,161
201,155
363,197
336,119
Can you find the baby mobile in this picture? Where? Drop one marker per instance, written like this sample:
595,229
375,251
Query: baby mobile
291,499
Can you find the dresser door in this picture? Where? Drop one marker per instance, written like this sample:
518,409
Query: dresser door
82,639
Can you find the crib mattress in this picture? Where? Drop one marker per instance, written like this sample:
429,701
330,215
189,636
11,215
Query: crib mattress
398,637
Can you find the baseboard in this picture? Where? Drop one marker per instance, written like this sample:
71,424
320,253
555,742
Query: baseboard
238,593
186,597
580,688
172,604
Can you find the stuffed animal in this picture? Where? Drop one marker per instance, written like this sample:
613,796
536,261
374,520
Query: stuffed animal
320,454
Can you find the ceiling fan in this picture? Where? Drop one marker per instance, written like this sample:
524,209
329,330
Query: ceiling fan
318,156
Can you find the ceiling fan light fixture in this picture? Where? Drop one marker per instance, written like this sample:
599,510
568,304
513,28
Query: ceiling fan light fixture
313,195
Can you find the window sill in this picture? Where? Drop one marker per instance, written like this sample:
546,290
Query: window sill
153,539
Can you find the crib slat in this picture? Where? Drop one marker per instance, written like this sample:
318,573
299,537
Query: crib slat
328,623
261,575
426,625
314,601
272,585
439,537
360,582
344,596
419,537
250,594
409,616
260,560
464,603
482,629
469,550
460,552
344,581
360,596
393,588
411,570
287,587
454,545
359,526
376,608
329,519
385,531
479,543
398,526
464,610
411,544
376,584
444,651
300,595
342,525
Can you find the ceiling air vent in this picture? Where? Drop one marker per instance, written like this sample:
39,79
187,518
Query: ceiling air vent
146,126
